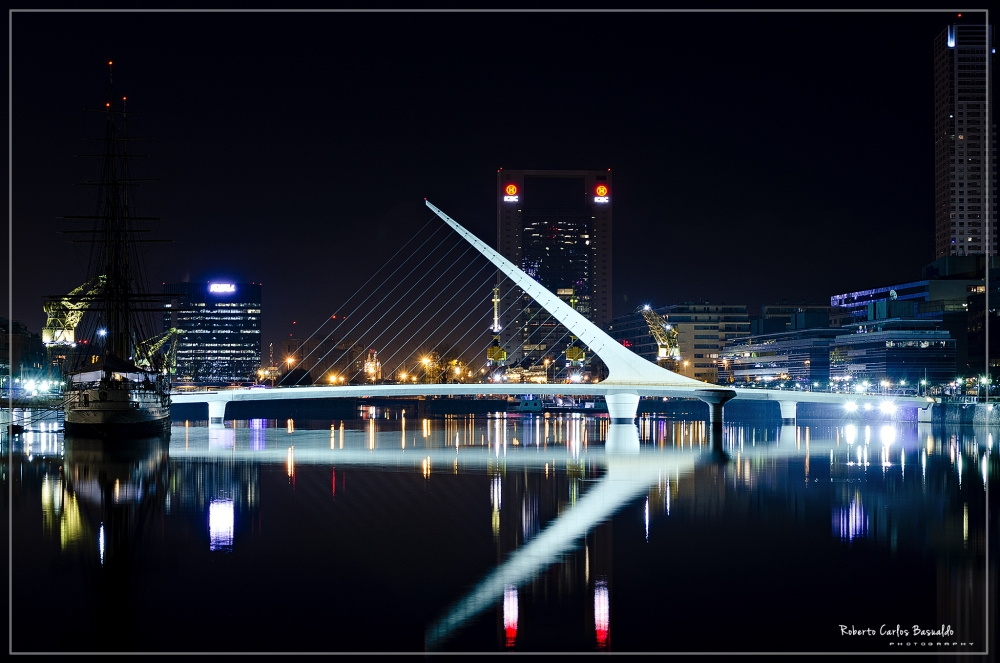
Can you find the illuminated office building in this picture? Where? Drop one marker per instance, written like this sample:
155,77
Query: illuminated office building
218,331
556,226
965,178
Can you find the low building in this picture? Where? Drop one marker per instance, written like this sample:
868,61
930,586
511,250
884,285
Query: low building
22,354
801,356
703,329
924,298
895,350
786,317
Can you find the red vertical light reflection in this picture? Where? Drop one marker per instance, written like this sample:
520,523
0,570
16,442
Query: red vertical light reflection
510,614
333,482
602,613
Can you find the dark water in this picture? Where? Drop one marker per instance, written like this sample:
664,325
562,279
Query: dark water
503,534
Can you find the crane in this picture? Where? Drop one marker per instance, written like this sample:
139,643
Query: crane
668,353
146,349
65,312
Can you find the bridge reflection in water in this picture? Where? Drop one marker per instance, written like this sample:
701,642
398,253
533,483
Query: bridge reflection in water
599,520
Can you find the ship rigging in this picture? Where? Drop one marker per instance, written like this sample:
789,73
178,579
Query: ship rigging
118,381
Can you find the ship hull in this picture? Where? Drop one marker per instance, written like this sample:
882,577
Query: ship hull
118,428
117,412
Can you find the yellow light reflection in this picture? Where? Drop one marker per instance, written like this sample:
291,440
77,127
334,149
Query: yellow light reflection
71,524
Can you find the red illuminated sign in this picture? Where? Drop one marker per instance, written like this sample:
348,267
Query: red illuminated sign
511,189
601,190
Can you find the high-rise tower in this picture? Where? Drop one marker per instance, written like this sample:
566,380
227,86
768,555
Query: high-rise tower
965,193
556,226
218,327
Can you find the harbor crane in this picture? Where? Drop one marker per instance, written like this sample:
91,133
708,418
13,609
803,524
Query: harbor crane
668,354
65,312
145,354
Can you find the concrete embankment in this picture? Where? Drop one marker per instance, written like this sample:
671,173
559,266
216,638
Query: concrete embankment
967,414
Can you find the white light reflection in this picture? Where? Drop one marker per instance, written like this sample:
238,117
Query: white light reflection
983,465
510,614
888,434
851,433
100,543
647,518
851,522
495,491
220,525
602,612
624,481
668,495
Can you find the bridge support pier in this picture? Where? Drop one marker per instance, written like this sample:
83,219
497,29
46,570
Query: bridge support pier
787,411
925,415
216,413
716,401
622,407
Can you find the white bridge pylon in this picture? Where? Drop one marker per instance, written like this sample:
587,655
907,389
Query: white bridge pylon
625,368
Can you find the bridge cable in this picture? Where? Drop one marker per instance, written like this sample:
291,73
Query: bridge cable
436,313
433,267
398,267
363,317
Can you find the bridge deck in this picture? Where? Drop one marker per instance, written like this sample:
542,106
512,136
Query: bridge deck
597,389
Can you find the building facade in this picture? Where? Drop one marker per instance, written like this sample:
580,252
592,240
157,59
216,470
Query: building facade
924,298
702,332
22,355
894,350
801,356
964,138
218,331
556,226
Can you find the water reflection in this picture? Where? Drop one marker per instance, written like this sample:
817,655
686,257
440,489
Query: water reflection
112,489
549,499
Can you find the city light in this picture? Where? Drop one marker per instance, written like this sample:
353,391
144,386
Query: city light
851,406
887,407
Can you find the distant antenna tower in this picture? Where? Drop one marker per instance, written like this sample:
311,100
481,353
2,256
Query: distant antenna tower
496,310
496,354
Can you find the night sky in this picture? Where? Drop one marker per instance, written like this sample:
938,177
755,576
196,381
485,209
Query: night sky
756,157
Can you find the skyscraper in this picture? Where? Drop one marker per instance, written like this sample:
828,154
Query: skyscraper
556,226
964,142
218,331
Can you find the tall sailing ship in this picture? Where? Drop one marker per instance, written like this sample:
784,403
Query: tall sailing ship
117,374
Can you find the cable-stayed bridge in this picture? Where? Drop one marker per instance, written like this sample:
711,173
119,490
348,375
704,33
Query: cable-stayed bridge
629,375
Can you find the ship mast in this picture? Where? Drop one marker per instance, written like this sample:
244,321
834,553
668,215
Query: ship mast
116,258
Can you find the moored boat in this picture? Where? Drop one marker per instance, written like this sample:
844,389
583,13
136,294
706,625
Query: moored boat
118,380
